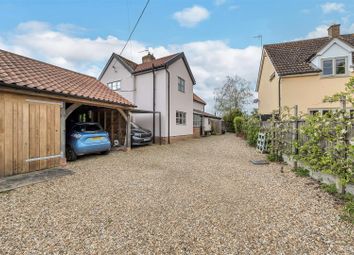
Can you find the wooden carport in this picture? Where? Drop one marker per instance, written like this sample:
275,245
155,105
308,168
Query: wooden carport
35,100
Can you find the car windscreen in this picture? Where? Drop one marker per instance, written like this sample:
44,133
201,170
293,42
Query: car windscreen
88,128
135,126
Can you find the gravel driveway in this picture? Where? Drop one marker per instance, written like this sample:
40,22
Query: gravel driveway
195,197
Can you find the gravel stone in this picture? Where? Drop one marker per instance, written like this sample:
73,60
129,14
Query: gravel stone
201,196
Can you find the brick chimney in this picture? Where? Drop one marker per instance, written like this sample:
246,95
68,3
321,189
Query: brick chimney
148,58
334,31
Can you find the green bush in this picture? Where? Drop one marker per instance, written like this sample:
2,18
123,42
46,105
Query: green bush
229,119
251,129
239,122
325,148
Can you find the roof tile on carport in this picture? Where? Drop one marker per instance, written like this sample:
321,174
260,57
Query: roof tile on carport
25,72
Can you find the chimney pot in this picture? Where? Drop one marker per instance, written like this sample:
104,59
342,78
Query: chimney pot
334,31
148,58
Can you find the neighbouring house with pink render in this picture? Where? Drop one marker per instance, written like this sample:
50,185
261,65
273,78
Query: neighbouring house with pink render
159,87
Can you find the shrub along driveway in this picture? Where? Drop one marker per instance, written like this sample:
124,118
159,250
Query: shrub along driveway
194,197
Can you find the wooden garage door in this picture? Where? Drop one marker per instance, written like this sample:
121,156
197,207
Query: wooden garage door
29,134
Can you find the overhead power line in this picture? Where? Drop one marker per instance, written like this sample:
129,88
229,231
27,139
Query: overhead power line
135,26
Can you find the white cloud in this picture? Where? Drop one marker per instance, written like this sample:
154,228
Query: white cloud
332,7
58,46
320,31
219,2
210,61
190,17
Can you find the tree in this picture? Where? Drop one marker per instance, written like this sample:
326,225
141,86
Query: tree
232,96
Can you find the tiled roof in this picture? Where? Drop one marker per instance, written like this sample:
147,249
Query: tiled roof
132,65
198,99
294,57
159,62
206,114
25,72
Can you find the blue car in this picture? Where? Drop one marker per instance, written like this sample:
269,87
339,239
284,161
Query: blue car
86,138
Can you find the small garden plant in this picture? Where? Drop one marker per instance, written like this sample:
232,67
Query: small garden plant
301,172
329,188
349,211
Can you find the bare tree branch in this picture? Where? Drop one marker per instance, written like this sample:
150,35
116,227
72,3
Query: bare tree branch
234,95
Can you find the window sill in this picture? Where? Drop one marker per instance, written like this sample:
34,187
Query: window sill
334,76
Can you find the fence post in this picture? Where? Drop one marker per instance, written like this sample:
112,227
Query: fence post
344,103
346,136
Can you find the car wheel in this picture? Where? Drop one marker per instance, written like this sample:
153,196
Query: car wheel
70,154
105,152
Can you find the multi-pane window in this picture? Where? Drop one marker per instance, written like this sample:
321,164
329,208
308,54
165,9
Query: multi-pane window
340,66
323,111
115,85
327,67
181,85
314,112
197,120
335,66
181,118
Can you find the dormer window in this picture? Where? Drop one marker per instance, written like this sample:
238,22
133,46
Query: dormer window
334,66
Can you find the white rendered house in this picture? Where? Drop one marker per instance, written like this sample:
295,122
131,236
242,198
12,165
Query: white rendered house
162,86
203,122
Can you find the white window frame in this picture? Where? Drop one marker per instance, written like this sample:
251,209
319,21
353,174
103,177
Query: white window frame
334,67
321,110
181,118
118,84
197,120
181,87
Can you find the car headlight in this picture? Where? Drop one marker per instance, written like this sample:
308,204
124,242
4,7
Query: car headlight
76,135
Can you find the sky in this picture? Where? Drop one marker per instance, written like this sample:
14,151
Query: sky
217,36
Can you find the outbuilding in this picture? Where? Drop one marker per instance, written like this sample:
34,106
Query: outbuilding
37,100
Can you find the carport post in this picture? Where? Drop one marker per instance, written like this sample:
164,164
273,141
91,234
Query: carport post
128,145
